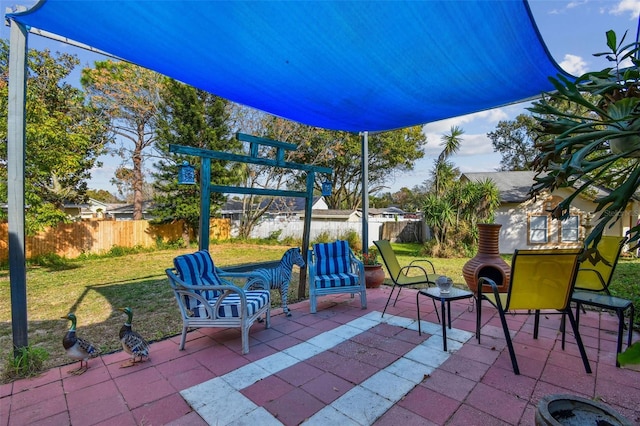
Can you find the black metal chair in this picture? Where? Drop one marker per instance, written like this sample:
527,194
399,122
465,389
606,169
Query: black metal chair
540,280
399,275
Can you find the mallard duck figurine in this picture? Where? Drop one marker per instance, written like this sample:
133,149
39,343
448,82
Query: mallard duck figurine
132,342
77,348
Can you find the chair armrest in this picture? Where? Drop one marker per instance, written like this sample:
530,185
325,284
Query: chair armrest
409,267
433,268
256,281
356,264
494,288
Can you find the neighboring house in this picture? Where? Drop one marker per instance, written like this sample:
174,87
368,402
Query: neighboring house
527,222
331,215
125,211
95,209
282,209
390,213
74,210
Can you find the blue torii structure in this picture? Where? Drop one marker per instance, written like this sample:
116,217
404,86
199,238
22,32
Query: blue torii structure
255,142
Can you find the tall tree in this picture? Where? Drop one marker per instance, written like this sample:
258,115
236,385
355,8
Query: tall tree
190,117
514,140
129,95
452,207
389,152
64,137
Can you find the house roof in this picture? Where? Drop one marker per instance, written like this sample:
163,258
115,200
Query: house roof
341,65
513,186
331,214
280,204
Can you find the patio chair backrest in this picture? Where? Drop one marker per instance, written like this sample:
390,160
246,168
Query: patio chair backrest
596,277
198,269
388,257
332,258
542,279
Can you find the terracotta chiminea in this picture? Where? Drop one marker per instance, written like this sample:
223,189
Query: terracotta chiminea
487,263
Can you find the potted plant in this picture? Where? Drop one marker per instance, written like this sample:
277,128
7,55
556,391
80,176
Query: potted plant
591,136
373,273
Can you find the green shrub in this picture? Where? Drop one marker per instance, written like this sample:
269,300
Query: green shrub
24,362
322,237
50,260
354,240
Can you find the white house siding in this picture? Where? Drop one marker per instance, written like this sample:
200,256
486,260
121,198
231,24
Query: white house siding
514,220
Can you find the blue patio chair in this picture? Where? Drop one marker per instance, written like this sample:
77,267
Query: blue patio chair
334,269
207,298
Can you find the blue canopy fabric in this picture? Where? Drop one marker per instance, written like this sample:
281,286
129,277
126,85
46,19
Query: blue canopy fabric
341,65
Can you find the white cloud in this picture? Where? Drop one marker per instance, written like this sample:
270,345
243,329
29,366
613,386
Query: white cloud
472,144
492,116
627,6
573,4
573,64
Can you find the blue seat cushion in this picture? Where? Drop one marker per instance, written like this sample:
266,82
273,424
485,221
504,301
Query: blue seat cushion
332,258
337,280
230,306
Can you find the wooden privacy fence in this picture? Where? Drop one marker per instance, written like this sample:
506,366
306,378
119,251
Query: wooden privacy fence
73,239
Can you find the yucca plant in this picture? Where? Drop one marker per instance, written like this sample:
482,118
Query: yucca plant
591,136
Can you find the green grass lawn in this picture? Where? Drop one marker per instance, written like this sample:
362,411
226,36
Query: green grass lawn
95,288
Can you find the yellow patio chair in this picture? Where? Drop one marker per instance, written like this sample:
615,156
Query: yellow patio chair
592,285
399,275
540,280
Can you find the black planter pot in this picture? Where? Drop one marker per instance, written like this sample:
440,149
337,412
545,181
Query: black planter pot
573,410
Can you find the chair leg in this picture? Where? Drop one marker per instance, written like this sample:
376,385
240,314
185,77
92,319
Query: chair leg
397,295
576,333
183,339
312,303
267,319
507,336
418,312
632,316
388,300
245,339
536,323
363,299
563,326
478,317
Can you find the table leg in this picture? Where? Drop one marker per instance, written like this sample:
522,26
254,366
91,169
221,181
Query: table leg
444,324
449,307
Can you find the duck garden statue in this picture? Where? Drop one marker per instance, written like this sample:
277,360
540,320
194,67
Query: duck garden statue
132,342
77,348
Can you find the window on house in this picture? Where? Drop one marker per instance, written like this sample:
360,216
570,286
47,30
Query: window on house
538,226
570,229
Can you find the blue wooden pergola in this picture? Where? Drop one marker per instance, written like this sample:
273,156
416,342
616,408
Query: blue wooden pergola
206,188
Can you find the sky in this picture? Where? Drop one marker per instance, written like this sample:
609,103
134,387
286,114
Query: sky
572,31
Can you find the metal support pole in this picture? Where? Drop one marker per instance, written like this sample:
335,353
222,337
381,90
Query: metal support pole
306,237
365,192
205,203
16,142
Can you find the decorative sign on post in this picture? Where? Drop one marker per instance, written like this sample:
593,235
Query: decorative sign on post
326,188
186,174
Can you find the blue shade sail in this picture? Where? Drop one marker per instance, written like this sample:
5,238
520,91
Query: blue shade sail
341,65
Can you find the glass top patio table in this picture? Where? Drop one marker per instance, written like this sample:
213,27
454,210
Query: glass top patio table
435,293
